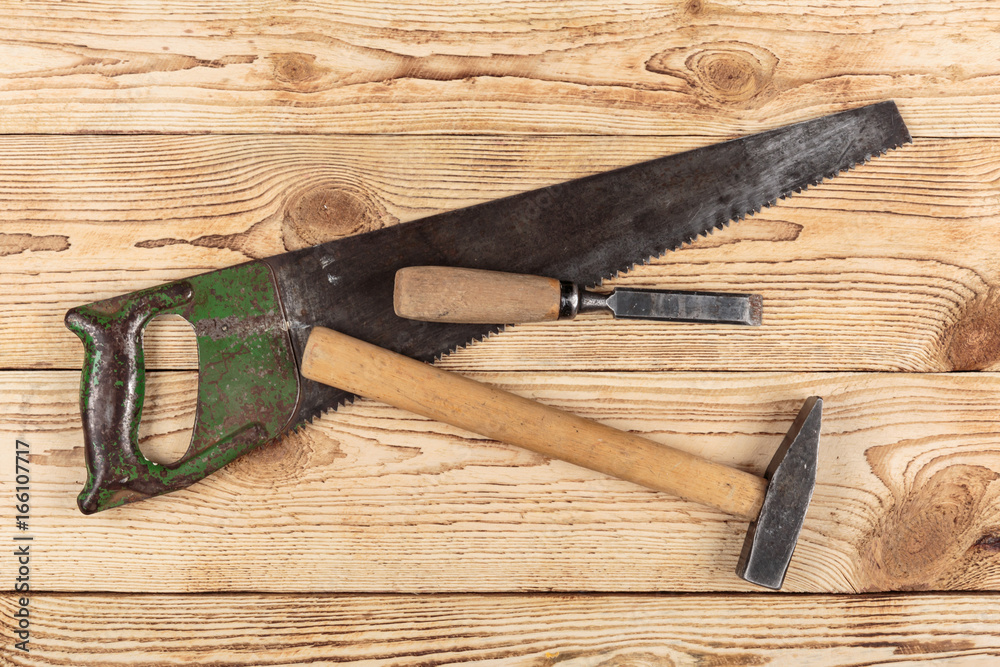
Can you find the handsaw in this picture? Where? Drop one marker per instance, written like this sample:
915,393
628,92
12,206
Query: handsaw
252,320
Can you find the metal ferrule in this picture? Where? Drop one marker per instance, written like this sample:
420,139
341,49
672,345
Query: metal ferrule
573,301
569,300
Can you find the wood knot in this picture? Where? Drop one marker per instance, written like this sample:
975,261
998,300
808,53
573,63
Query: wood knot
297,70
694,7
924,539
333,210
972,342
733,73
988,542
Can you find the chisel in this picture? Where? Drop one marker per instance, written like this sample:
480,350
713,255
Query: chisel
447,294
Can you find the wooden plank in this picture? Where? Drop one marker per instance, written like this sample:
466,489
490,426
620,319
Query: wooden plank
572,630
713,69
886,267
373,499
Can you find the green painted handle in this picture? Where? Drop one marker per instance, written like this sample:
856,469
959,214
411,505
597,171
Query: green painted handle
112,386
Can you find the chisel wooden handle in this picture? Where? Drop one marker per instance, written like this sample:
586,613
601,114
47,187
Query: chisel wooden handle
360,368
445,294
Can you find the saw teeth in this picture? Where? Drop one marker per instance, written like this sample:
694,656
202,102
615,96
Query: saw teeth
472,341
346,400
725,223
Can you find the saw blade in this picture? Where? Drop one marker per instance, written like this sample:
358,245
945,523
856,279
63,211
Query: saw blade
584,231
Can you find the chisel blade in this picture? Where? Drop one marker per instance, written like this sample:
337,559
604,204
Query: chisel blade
670,306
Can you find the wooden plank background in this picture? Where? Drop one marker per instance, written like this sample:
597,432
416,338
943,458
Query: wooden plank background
151,141
574,630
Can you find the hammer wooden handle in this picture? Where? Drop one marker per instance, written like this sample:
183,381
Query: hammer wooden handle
445,294
360,368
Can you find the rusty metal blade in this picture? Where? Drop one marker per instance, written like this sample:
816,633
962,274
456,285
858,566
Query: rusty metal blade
685,306
584,231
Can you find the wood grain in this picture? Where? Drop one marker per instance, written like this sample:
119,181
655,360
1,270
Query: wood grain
372,499
686,68
538,630
887,267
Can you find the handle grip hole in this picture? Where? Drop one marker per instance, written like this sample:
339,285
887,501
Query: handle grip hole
168,413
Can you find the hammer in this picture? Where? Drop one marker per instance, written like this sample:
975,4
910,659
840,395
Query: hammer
775,504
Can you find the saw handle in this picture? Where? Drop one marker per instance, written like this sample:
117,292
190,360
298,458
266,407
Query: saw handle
446,294
112,382
364,369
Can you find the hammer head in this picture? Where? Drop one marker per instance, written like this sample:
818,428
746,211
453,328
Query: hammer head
791,479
